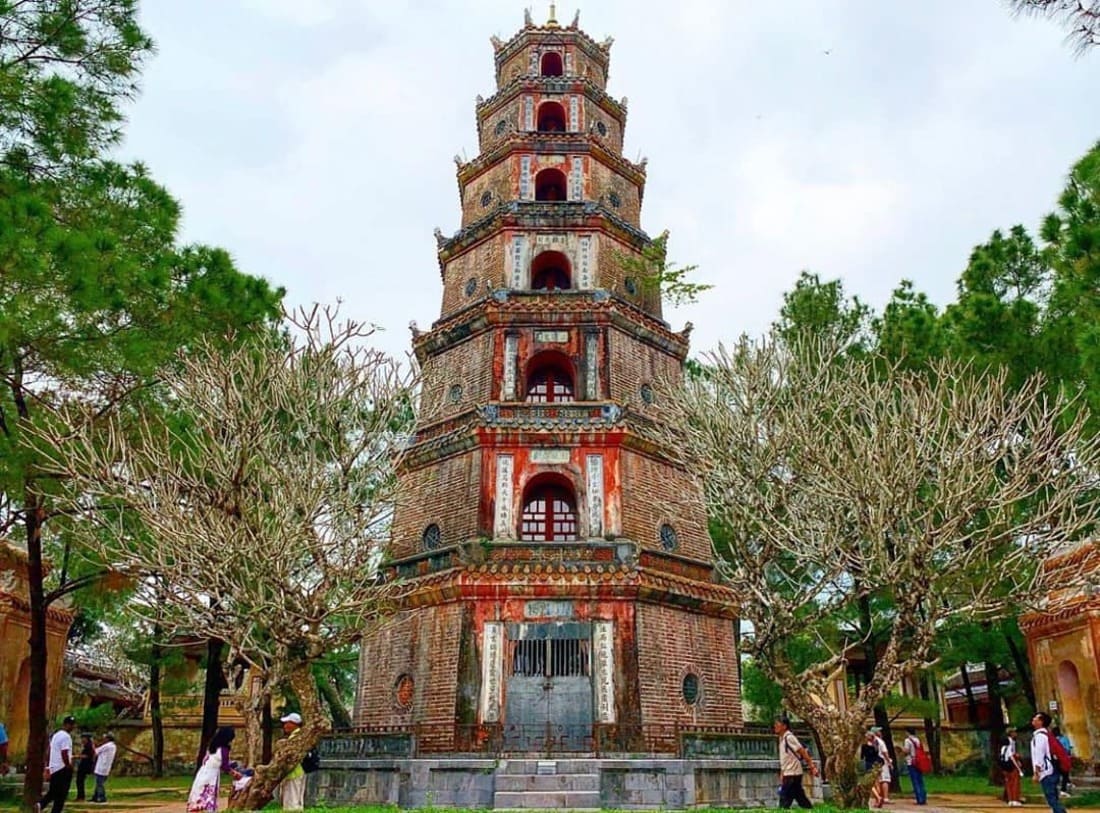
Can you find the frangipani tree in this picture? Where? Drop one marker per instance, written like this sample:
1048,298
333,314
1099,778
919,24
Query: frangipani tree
835,480
256,505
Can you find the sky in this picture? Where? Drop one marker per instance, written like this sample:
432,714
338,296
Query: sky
866,140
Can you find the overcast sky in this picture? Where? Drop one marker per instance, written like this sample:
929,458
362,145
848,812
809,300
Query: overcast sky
871,140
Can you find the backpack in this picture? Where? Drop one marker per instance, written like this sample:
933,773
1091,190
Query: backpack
921,761
311,762
1059,756
1006,763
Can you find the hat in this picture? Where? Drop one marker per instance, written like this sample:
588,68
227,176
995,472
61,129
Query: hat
293,717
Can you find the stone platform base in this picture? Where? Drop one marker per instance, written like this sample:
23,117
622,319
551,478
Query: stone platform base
575,783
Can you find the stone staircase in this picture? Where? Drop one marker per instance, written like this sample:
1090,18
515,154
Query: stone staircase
546,784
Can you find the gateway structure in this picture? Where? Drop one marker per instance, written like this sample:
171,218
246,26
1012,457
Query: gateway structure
562,591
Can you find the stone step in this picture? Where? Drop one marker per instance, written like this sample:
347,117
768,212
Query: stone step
546,800
587,782
524,766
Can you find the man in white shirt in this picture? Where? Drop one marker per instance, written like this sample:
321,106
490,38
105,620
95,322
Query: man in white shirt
792,754
104,759
60,767
1042,762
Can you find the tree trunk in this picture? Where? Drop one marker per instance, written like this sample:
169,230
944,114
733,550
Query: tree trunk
996,721
211,695
1023,672
155,715
931,727
971,703
37,704
339,714
288,752
882,720
268,724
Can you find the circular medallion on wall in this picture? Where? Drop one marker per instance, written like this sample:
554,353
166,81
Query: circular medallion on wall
669,540
471,286
403,691
432,537
601,128
455,393
646,392
614,199
690,688
502,125
631,285
486,199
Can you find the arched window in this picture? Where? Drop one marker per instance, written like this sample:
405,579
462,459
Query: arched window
549,511
551,64
549,379
551,118
550,272
550,185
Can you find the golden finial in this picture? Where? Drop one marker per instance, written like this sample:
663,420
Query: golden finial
553,21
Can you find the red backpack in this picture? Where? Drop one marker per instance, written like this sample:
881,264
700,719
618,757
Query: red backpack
1058,754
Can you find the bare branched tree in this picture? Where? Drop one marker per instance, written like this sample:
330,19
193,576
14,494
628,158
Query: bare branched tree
834,481
1081,18
261,498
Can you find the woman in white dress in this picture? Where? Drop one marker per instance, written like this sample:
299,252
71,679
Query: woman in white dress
204,790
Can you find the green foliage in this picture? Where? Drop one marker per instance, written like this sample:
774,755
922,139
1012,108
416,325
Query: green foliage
823,310
65,67
652,269
97,718
761,693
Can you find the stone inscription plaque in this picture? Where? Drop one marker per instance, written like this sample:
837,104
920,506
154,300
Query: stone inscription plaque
548,609
603,661
549,455
552,336
491,670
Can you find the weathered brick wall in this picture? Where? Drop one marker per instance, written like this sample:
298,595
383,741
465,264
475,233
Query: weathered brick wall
500,123
655,493
484,193
458,378
594,115
634,363
613,277
484,264
425,646
445,493
603,182
692,643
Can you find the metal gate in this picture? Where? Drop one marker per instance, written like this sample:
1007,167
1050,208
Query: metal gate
548,701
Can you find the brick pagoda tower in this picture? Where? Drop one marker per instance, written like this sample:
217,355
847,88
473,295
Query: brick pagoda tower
561,597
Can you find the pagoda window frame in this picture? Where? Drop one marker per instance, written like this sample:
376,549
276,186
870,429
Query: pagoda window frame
551,185
547,64
543,266
549,378
561,507
551,117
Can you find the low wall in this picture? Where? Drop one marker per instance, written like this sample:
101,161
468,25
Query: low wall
640,783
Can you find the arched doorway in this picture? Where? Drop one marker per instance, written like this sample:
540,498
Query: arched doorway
1072,714
551,118
550,185
550,379
550,272
551,64
549,510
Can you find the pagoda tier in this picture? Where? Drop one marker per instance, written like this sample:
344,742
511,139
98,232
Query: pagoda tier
558,574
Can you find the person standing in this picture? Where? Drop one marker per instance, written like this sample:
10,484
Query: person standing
293,792
204,790
3,750
60,766
887,765
1043,768
791,756
911,746
1012,770
84,765
104,760
1063,738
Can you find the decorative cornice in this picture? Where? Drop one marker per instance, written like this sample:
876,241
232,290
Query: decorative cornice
510,308
555,143
532,214
598,51
550,84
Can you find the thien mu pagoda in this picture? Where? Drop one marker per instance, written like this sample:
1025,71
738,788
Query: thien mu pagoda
560,594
